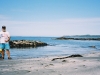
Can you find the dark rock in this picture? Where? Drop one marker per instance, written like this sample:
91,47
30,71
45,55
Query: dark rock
92,46
76,55
71,56
62,38
26,44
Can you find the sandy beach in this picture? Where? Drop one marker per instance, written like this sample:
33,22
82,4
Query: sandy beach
89,64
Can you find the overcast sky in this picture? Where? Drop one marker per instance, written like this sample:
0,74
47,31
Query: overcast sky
50,17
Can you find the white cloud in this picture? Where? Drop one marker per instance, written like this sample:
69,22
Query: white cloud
74,21
53,28
59,22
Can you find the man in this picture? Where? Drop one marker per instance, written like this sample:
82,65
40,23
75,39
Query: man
4,42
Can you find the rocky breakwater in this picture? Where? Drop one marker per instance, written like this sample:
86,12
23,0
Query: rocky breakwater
71,38
26,44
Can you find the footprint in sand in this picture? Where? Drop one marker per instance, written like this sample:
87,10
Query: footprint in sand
51,64
36,70
47,66
64,61
73,61
84,65
76,68
28,71
84,60
42,64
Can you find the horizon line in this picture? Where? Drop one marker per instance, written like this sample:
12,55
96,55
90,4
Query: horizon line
53,36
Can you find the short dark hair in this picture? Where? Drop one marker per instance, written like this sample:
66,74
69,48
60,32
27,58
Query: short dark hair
3,27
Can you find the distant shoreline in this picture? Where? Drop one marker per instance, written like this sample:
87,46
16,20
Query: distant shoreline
63,38
80,37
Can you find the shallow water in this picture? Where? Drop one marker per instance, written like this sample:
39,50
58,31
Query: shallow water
56,47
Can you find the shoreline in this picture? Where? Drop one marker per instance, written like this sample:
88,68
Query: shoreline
89,64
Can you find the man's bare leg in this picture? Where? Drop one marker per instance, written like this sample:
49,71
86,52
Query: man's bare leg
3,53
8,53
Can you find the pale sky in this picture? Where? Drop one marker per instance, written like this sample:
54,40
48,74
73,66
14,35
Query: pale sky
50,17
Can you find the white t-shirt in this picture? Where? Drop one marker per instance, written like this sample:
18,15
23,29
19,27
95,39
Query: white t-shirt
4,36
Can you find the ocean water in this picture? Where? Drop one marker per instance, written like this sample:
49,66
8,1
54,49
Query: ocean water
55,47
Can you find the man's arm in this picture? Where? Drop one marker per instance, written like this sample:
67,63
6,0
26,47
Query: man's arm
8,37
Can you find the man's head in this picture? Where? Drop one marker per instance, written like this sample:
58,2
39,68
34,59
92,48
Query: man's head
4,28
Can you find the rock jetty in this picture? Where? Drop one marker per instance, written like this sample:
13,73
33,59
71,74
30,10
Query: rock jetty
26,44
65,38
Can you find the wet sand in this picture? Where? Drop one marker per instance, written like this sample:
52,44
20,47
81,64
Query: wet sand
89,64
